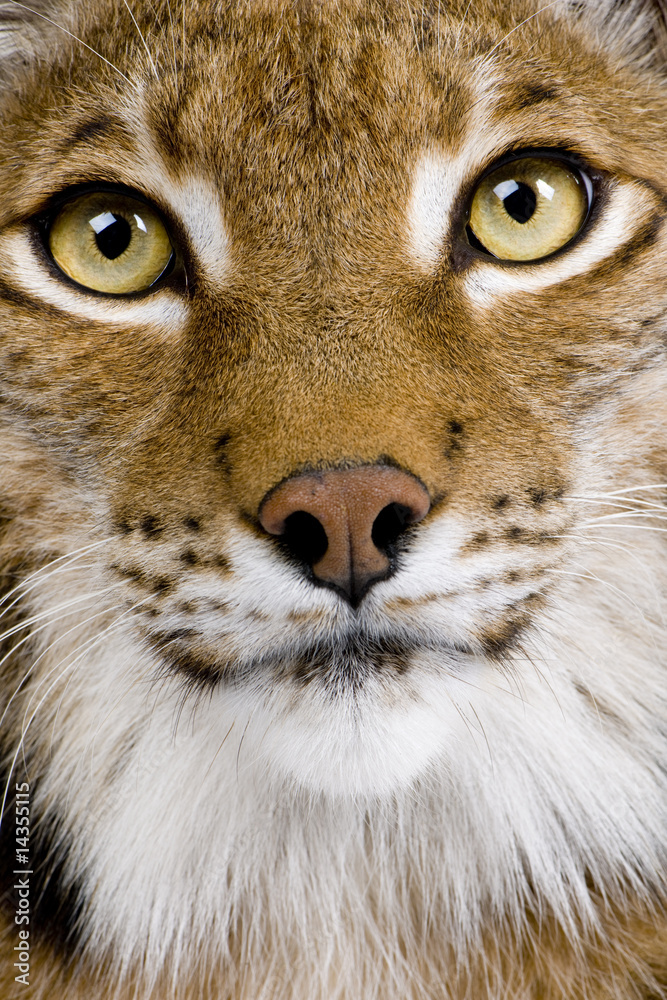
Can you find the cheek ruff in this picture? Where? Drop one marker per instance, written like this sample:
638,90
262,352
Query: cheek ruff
332,500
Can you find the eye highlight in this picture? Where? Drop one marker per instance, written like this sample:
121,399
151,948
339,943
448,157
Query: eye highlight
529,208
110,242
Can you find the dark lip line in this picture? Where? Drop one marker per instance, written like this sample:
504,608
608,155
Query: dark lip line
356,659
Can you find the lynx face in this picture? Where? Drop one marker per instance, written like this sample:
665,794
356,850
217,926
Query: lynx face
332,343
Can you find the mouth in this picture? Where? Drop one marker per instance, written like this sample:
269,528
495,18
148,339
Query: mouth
346,707
337,664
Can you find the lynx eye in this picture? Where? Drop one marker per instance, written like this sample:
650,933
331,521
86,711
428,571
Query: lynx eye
110,243
529,208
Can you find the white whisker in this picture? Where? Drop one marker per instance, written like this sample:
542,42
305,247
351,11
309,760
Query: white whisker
554,3
144,42
599,523
73,603
76,39
45,572
51,645
604,583
81,652
91,644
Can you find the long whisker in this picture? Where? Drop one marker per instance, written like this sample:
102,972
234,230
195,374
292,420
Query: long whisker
70,666
604,583
27,622
84,647
21,596
619,503
145,43
24,733
553,3
91,644
183,49
41,574
44,652
461,26
76,39
631,489
222,743
599,523
173,40
644,514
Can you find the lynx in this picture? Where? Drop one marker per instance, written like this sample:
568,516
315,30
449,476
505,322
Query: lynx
333,502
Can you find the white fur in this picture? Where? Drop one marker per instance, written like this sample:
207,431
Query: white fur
164,311
315,820
628,205
267,791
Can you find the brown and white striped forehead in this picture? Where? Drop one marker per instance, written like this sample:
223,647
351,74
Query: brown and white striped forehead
314,164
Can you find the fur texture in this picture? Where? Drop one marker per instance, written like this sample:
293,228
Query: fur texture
243,788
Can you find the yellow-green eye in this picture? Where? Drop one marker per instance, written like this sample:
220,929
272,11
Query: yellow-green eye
529,208
110,243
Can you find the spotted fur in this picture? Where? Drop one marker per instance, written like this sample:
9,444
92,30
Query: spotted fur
242,787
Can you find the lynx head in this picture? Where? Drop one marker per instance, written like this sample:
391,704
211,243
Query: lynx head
333,408
323,335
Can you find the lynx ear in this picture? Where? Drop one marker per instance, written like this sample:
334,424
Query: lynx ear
660,11
24,32
635,30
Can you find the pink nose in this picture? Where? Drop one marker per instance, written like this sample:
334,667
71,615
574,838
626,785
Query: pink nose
344,522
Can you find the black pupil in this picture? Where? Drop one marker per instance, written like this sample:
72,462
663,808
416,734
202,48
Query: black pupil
520,204
115,238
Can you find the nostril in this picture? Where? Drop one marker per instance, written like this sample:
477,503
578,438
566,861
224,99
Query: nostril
390,523
344,523
304,537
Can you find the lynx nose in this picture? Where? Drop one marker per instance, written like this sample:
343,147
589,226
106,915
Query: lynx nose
343,522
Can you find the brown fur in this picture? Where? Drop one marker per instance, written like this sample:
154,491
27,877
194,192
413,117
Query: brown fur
325,345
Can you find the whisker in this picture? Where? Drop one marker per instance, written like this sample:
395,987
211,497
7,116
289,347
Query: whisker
630,489
542,676
61,569
618,503
26,725
76,39
483,731
623,503
40,574
238,752
628,513
78,651
27,622
30,635
461,26
215,756
91,644
173,40
633,527
605,543
553,3
141,36
24,733
604,583
183,48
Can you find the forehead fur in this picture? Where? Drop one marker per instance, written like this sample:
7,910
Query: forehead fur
284,140
634,30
